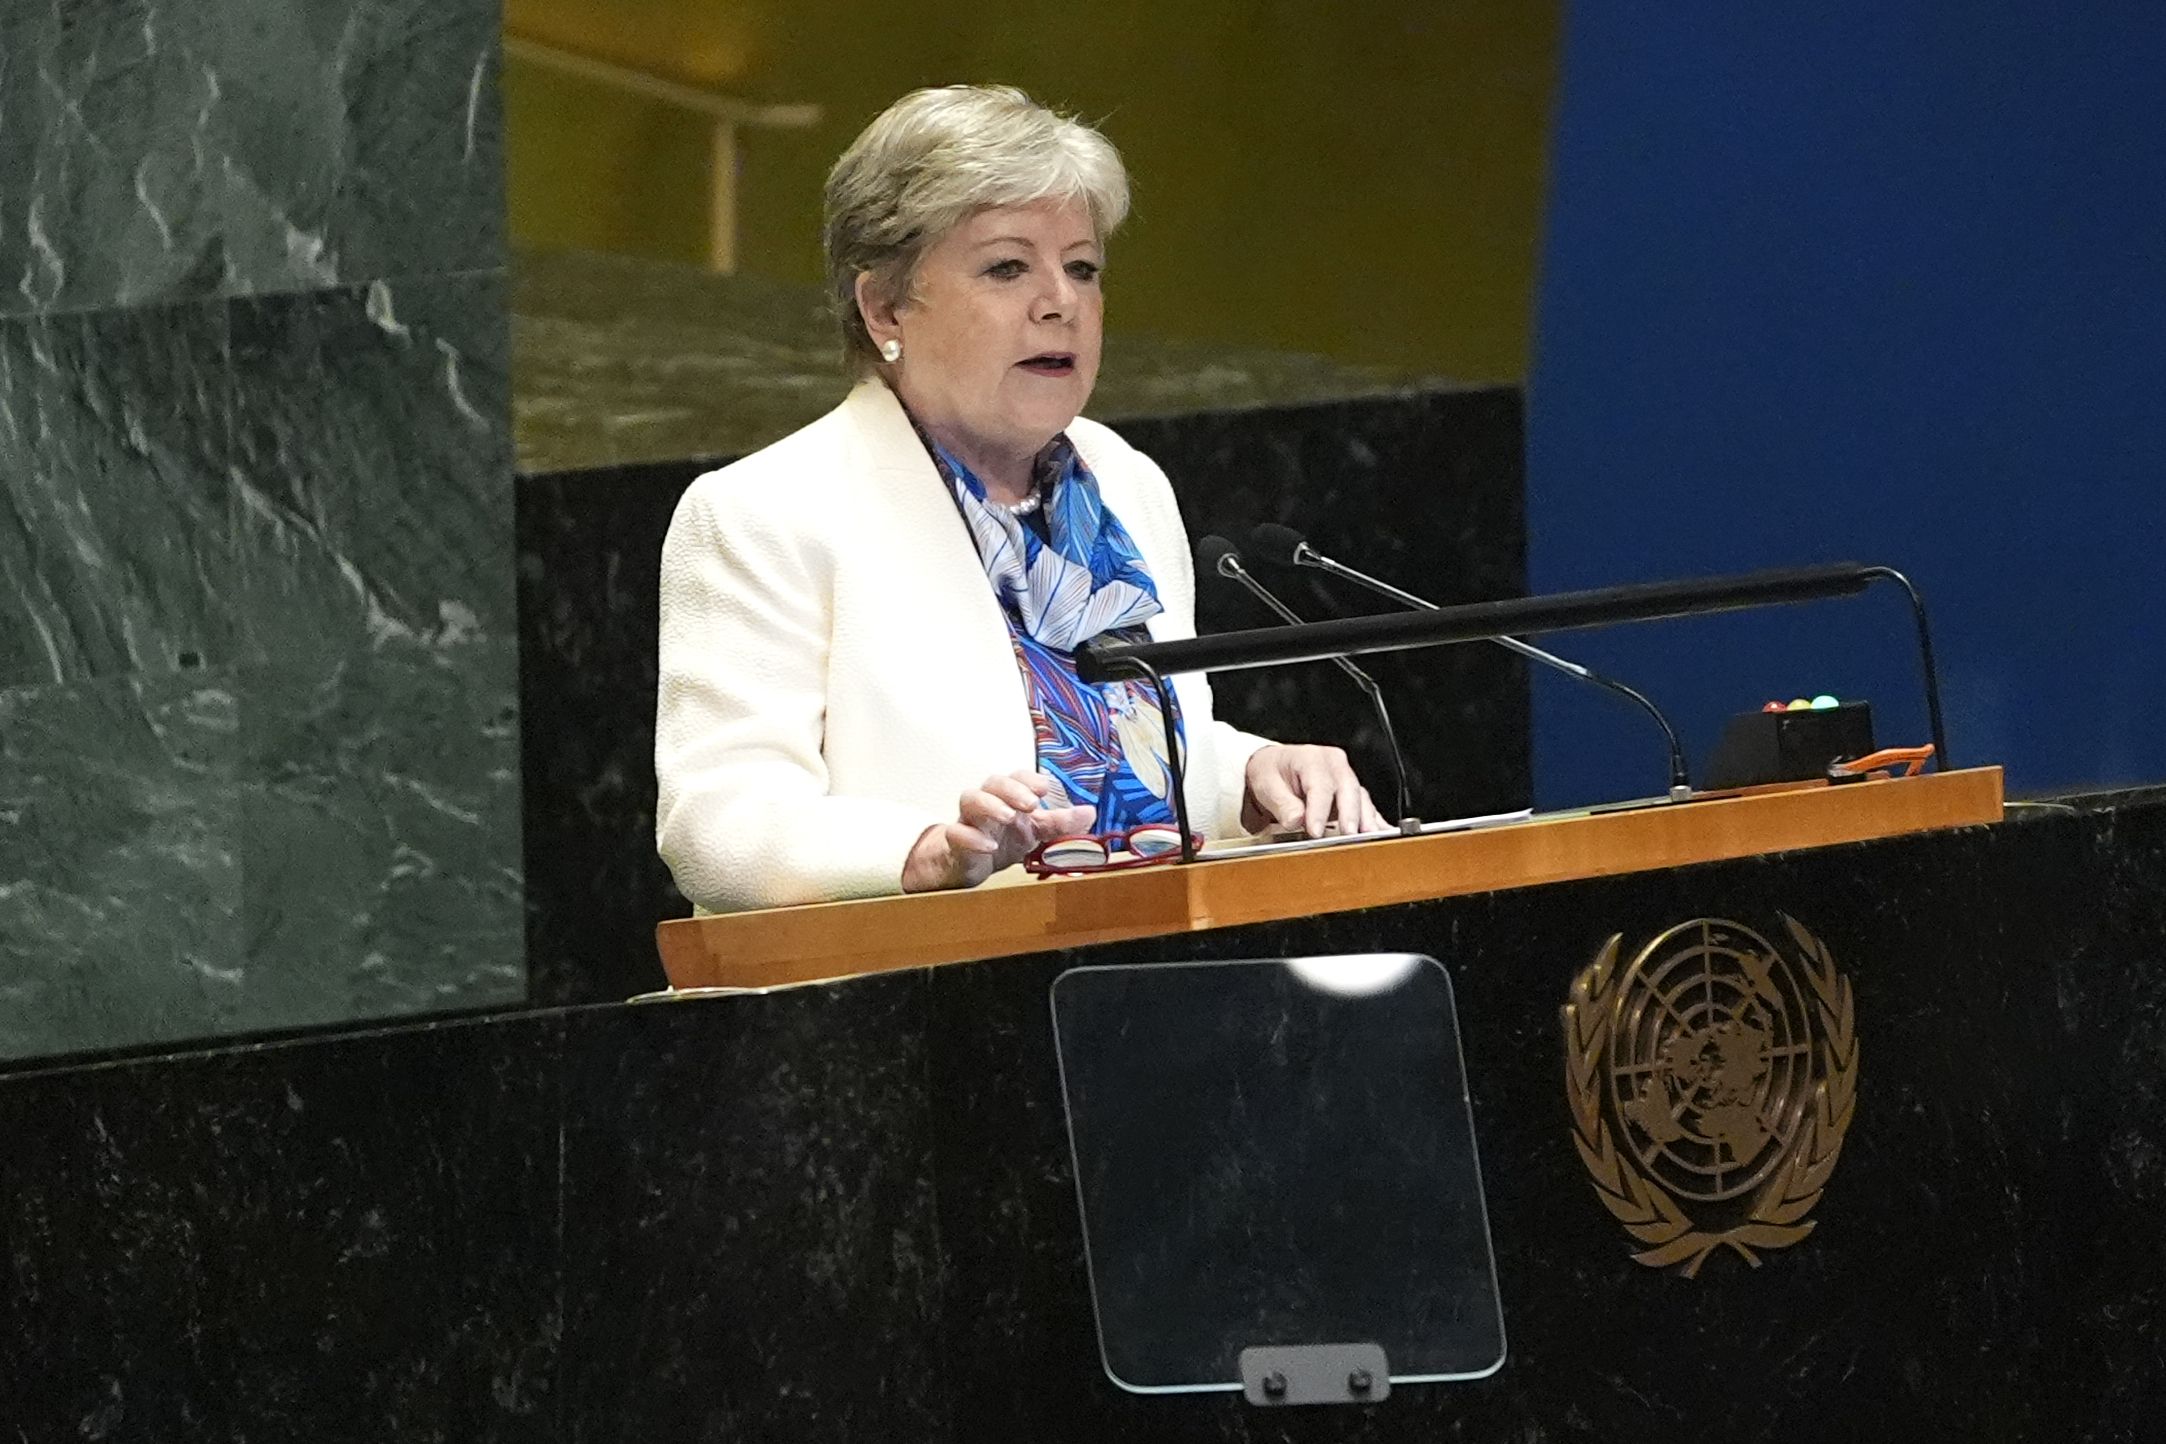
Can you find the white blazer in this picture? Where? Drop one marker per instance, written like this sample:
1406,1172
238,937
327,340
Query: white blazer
835,670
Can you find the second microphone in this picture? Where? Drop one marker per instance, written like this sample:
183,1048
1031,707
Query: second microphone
1216,556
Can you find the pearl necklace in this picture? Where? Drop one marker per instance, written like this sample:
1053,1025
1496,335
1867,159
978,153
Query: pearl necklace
1027,505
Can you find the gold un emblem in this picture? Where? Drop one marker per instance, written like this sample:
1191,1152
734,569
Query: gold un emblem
1711,1082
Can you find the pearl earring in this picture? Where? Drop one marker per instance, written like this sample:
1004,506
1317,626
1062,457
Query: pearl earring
891,350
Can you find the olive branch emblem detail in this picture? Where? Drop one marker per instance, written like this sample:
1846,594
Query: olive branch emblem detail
1711,1083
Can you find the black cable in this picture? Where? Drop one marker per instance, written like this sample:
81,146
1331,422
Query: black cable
1175,765
1925,658
1367,684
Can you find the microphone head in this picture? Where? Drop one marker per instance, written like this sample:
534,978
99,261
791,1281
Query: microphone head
1217,557
1279,545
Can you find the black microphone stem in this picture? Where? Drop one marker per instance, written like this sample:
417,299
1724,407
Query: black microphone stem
1925,657
1680,778
1230,566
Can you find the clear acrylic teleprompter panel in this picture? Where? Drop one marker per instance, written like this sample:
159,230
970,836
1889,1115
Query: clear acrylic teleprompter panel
1276,1152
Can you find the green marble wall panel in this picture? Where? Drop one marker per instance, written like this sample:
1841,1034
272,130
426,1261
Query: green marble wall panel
117,550
260,700
120,869
258,668
128,191
380,861
359,140
373,464
379,843
163,149
27,30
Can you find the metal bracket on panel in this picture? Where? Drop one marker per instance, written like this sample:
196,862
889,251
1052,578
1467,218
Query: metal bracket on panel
1273,1374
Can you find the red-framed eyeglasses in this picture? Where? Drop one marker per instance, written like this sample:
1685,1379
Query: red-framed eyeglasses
1154,842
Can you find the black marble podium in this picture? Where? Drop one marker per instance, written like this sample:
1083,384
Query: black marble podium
845,1212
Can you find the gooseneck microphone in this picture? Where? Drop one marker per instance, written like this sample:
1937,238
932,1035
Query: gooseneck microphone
1216,556
1282,546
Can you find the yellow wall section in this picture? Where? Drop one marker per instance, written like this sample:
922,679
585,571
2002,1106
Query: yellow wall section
1362,179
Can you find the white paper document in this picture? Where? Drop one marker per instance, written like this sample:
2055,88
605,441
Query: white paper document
1244,848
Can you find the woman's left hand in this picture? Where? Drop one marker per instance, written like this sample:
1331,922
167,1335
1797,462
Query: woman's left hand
1303,788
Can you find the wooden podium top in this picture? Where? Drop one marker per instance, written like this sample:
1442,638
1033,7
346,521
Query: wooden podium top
833,940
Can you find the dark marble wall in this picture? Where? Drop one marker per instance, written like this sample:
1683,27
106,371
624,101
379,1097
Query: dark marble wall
846,1212
1425,487
258,738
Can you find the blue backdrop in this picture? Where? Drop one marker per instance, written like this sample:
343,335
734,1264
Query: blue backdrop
1883,282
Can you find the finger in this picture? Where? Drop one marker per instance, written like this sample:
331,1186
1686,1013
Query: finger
1350,805
1279,803
1017,793
1037,782
974,855
1051,822
1319,794
931,863
1283,806
986,810
1372,820
963,838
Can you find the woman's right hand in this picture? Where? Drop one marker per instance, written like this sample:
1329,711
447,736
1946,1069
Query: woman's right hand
996,826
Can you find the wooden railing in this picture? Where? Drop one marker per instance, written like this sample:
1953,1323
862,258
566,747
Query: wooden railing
726,113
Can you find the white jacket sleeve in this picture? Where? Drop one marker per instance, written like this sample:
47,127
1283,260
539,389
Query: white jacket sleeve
1231,750
743,816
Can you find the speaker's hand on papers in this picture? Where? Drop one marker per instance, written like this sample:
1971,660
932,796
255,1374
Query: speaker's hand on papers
996,826
1306,789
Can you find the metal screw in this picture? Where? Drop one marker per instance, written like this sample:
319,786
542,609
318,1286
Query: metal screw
1360,1382
1274,1385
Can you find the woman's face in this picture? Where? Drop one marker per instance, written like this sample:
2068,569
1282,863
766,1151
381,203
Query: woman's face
1000,335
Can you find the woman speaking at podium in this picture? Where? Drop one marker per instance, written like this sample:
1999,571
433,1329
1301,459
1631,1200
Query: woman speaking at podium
868,628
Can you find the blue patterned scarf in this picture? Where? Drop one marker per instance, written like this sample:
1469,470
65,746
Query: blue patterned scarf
1088,581
1102,744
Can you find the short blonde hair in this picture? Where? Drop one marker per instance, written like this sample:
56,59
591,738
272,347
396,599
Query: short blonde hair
931,161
